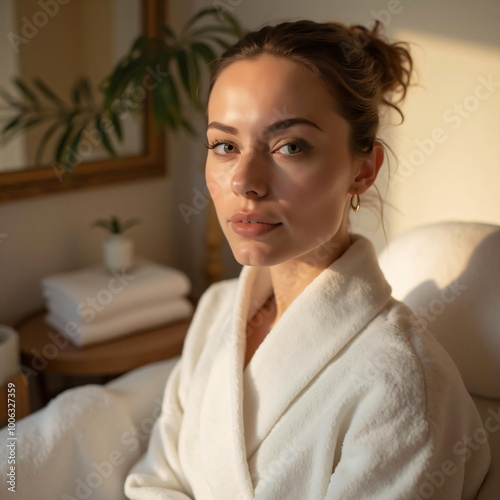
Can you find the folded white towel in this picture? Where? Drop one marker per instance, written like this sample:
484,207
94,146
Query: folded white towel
92,294
127,322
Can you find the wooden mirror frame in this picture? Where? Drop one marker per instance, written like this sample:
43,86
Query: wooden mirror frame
40,181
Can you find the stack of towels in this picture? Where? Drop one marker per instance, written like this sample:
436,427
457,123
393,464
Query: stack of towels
94,305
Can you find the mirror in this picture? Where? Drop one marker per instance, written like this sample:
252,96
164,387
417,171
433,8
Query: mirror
60,41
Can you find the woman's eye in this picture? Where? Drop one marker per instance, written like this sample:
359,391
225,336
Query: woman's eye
292,148
225,148
221,148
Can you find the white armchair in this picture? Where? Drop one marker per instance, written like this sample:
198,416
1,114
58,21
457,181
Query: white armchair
85,441
449,274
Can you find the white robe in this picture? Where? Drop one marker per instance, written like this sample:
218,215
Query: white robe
343,399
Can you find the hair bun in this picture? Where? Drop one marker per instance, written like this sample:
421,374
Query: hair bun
393,65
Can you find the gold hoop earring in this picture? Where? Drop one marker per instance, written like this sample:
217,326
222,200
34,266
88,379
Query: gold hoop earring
355,202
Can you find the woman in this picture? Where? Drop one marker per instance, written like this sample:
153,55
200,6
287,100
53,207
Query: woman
303,379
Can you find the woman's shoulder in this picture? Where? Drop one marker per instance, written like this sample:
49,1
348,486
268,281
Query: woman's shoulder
408,359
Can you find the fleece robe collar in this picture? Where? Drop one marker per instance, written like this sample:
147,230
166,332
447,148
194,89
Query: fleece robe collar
317,325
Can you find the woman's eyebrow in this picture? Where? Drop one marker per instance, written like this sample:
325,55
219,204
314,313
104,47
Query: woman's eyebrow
274,127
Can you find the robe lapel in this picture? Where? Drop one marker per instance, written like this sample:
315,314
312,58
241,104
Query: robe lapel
222,436
315,327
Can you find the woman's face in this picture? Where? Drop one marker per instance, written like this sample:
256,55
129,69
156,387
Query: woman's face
281,173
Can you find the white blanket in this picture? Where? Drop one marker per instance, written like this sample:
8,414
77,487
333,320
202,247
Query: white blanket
83,443
342,401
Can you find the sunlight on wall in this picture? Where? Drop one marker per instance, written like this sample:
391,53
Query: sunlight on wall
449,145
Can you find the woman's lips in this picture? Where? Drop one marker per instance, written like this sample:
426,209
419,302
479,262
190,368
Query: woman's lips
253,224
252,229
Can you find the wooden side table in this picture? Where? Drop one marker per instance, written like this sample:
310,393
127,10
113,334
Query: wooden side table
44,349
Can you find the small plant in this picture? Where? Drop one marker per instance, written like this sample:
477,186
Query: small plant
113,224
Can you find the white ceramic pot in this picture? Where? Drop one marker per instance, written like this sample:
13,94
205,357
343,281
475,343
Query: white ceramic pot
118,253
9,353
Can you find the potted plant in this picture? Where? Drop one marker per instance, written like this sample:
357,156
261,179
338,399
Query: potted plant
118,251
179,58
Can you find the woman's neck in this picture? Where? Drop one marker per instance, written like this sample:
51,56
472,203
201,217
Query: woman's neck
290,278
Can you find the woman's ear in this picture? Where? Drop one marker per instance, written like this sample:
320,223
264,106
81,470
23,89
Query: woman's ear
368,169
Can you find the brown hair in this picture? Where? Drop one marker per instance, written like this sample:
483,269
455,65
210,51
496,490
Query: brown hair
359,67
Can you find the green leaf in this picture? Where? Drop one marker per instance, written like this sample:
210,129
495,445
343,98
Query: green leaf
115,119
65,135
168,32
205,51
73,149
12,124
183,64
44,141
86,91
139,43
166,104
115,225
82,94
10,100
104,137
195,90
128,224
202,13
27,92
23,121
75,95
47,92
159,110
190,74
222,15
233,24
122,78
33,121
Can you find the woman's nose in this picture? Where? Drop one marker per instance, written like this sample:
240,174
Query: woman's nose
249,179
